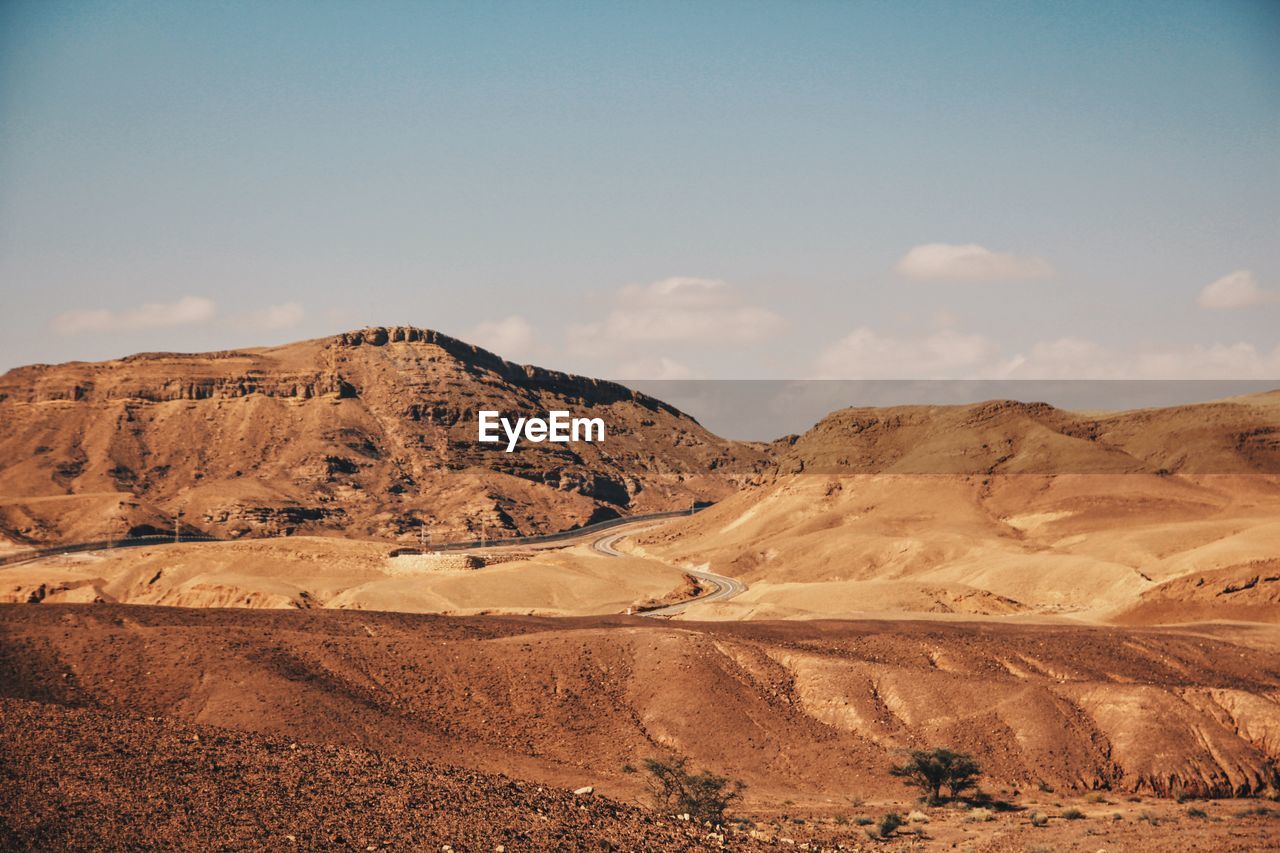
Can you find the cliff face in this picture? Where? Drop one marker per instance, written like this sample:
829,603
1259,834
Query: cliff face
367,433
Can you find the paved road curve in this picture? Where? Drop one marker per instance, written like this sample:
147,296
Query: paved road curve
722,588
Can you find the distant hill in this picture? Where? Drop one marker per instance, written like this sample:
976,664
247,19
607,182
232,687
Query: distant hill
1236,436
996,508
368,434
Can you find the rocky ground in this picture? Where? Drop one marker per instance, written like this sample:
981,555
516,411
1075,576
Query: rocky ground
80,778
143,726
75,778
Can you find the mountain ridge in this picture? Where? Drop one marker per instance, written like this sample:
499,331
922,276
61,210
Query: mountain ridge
368,433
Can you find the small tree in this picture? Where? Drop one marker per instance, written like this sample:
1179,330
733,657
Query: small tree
931,770
704,795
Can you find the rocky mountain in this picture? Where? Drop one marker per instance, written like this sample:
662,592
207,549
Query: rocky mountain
370,433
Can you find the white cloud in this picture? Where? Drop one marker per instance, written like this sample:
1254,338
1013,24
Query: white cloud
968,262
948,354
1235,290
154,315
944,354
286,315
653,368
680,309
511,337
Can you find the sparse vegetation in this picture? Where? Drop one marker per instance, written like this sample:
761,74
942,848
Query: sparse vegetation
863,820
932,770
889,824
1257,811
1038,819
704,796
1095,797
1073,814
1199,814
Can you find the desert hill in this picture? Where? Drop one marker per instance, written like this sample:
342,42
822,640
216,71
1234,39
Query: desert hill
808,711
369,433
1235,436
997,509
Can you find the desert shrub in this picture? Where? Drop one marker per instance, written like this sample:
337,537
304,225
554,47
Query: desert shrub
889,824
1095,797
704,796
1256,811
1073,814
863,820
1038,819
932,770
1197,813
918,817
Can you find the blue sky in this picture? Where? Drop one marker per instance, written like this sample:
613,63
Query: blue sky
651,190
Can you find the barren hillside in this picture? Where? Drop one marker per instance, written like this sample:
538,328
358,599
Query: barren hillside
814,712
1000,508
369,433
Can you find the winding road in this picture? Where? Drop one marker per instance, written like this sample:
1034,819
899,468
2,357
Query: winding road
722,588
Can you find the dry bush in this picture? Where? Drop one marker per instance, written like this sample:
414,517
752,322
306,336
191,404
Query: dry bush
704,796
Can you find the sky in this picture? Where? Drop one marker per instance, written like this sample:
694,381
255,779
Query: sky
790,190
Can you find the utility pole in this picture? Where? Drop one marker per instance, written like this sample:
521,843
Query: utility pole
424,537
177,526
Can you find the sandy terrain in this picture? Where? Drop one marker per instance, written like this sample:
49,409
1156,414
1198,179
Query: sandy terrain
305,572
1087,547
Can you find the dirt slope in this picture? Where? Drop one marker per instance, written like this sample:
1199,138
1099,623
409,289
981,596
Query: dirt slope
1083,546
998,509
368,433
813,712
76,779
1246,592
304,572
